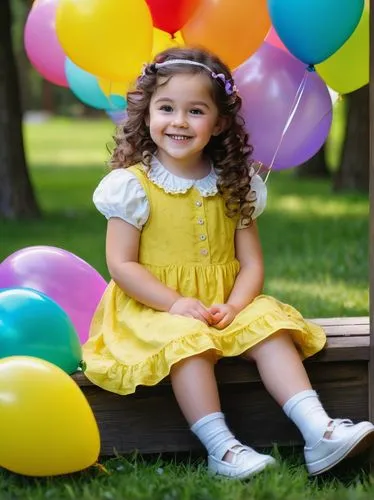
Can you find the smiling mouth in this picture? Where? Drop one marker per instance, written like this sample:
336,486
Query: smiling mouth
179,137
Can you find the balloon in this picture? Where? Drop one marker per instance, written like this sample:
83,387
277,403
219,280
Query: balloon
313,30
163,41
117,117
46,424
232,29
110,39
62,276
34,325
171,15
41,43
268,83
114,88
273,39
348,69
86,87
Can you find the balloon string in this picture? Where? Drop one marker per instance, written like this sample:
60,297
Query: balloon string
294,107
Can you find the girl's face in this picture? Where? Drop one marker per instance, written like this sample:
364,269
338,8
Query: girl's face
182,119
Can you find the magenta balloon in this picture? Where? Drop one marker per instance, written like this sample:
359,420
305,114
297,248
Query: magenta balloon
268,83
41,42
273,39
62,276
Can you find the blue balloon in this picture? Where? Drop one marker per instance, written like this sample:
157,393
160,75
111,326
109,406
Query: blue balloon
32,324
313,30
86,88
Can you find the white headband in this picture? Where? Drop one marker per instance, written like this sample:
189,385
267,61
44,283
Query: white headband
229,86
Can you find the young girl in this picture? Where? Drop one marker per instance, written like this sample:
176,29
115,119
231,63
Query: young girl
183,251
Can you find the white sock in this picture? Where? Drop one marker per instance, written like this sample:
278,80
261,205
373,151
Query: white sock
306,411
214,434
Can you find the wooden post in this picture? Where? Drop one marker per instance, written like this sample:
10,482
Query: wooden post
371,223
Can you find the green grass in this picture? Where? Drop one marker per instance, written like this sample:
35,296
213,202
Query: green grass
316,252
134,478
65,142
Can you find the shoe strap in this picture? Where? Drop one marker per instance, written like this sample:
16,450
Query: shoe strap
223,446
333,424
238,450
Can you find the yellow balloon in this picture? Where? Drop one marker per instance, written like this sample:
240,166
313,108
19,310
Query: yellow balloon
163,41
348,69
114,88
110,38
46,424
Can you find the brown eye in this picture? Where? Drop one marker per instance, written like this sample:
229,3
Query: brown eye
166,107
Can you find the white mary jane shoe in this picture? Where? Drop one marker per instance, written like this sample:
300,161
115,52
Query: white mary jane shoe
245,463
345,439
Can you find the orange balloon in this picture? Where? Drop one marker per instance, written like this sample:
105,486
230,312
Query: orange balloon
232,29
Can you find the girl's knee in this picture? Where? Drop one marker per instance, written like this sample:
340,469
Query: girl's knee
209,355
279,336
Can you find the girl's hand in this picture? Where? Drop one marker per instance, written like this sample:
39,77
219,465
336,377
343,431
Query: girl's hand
223,315
192,308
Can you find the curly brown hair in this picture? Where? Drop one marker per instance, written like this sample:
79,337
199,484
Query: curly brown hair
230,151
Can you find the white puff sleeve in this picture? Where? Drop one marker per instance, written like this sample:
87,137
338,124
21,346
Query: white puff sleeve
259,187
120,194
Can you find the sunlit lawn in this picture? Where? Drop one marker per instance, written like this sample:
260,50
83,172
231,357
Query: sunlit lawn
315,245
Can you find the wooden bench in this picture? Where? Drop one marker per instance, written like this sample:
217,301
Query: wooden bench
150,421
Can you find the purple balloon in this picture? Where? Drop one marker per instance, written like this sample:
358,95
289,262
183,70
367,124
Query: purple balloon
268,83
117,117
41,42
62,276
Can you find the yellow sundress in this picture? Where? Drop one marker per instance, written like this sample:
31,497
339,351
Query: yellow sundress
187,242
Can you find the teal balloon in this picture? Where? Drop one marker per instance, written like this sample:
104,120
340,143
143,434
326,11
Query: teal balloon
86,88
32,324
313,30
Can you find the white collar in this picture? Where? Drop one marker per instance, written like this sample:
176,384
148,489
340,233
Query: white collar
171,183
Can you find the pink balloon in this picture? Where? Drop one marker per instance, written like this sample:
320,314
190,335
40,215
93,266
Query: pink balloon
62,276
287,109
273,39
41,42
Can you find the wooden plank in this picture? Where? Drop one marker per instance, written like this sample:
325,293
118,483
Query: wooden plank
151,422
344,349
354,320
344,330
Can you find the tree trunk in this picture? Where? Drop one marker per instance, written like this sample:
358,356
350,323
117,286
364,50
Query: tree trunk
315,167
17,198
353,173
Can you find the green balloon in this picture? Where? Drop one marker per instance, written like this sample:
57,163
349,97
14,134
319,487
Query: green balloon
32,324
348,68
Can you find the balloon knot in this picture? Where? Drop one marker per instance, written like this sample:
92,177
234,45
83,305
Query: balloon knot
311,68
